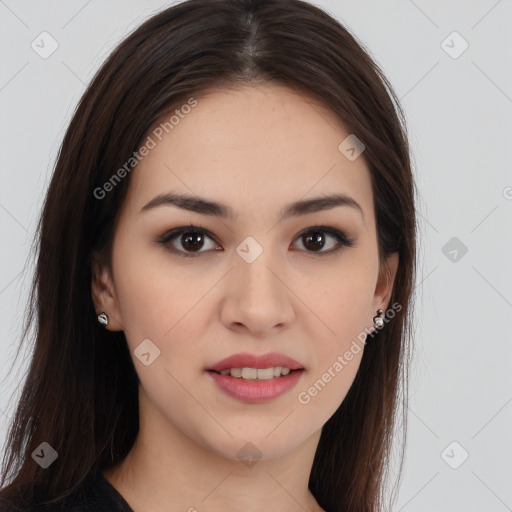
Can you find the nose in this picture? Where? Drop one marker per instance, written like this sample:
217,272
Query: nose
258,299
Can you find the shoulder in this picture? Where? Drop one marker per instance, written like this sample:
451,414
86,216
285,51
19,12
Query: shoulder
95,494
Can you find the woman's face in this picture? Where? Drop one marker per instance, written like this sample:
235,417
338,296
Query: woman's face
256,279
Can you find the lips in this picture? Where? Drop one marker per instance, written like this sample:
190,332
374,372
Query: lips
246,360
255,391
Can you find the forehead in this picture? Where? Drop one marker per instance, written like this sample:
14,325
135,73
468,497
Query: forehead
247,146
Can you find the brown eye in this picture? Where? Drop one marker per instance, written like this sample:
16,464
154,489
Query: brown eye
317,238
187,241
192,241
314,241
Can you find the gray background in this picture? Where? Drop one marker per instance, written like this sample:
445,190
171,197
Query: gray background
459,112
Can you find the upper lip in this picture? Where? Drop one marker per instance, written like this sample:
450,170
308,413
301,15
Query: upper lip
246,360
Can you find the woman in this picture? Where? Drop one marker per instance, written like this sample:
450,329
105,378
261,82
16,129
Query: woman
223,288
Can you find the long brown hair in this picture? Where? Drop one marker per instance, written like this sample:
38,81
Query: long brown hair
80,393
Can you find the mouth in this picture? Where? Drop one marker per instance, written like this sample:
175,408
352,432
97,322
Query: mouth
246,364
247,373
255,379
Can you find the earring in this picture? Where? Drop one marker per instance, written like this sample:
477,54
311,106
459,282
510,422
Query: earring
378,320
103,319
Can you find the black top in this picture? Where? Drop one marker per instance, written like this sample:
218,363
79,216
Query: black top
96,494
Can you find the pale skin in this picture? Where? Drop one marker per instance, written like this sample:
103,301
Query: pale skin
256,149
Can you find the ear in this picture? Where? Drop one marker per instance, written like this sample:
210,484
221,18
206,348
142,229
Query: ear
385,283
103,294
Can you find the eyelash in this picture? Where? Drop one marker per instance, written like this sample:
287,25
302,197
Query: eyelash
343,240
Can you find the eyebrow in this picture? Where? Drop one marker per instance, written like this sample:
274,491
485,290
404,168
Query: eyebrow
206,207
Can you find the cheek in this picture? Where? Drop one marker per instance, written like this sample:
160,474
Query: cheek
153,292
338,300
338,347
321,395
336,325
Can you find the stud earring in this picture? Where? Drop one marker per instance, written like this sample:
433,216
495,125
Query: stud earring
103,319
378,321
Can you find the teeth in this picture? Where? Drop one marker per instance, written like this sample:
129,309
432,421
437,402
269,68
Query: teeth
236,372
249,373
264,374
256,373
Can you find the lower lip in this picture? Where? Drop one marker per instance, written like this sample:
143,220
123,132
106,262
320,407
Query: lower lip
256,391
